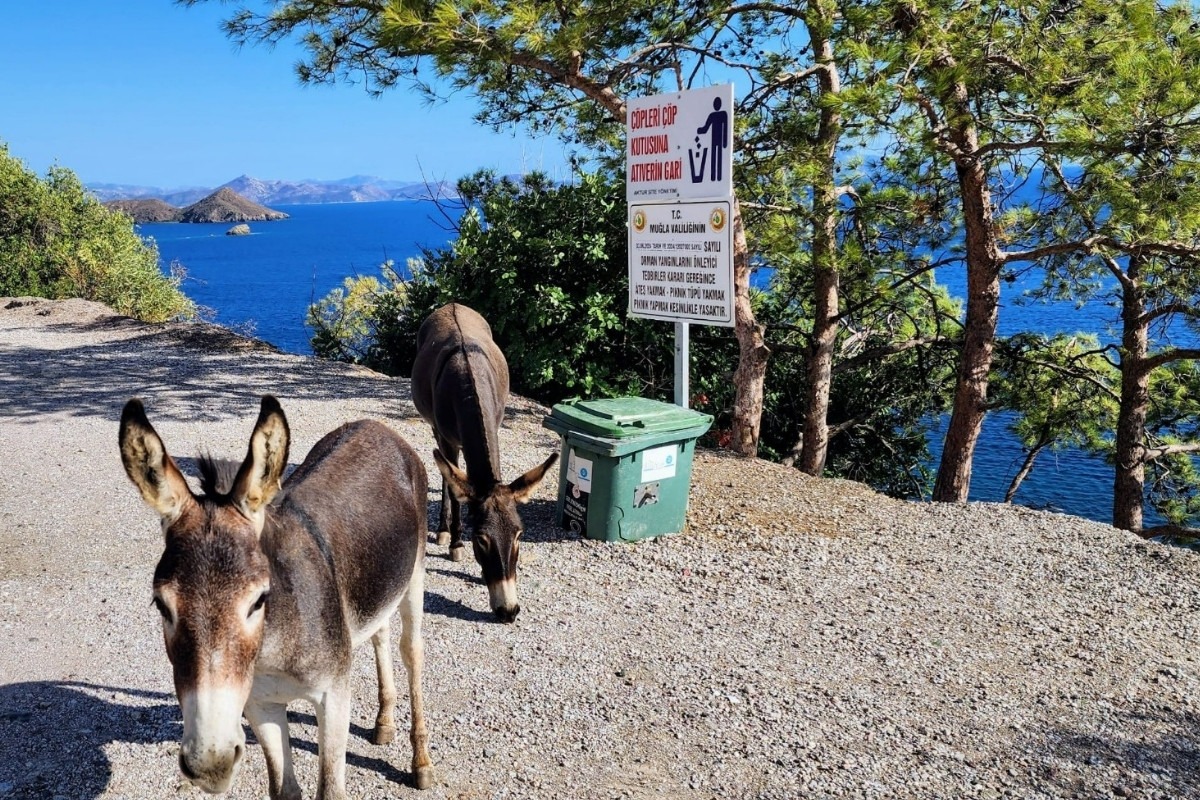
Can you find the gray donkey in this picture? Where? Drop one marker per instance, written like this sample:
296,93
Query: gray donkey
265,588
460,387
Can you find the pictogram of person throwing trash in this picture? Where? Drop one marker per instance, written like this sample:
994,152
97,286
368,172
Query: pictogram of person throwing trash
717,125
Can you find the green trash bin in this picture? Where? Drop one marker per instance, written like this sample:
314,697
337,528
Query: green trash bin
626,466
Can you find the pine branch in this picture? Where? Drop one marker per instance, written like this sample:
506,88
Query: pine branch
1079,375
891,349
1058,248
767,8
574,78
1154,453
1016,147
1170,308
1169,356
912,276
841,427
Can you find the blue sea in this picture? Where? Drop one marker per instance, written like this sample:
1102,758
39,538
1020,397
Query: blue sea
263,283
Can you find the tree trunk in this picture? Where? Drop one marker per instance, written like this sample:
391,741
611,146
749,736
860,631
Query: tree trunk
819,368
1026,467
824,255
983,306
984,260
1129,478
750,376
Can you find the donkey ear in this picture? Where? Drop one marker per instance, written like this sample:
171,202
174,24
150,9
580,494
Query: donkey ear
258,481
522,488
455,478
147,464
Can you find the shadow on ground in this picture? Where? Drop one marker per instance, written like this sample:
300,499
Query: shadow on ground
54,735
1162,762
205,371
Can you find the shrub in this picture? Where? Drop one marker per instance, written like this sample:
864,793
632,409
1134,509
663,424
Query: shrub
56,241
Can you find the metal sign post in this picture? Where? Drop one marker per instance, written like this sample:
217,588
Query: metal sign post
682,360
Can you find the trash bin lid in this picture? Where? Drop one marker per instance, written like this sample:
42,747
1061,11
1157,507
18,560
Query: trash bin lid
621,417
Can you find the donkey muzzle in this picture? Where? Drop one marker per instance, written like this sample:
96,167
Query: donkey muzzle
502,596
507,614
213,739
213,772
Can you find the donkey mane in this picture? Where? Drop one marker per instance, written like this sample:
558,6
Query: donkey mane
217,475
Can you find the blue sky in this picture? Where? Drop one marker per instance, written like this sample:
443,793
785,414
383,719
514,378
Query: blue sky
149,93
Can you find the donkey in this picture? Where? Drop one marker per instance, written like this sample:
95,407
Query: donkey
460,387
265,588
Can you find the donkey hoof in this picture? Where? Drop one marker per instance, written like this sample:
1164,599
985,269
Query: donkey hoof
443,538
384,734
458,552
424,777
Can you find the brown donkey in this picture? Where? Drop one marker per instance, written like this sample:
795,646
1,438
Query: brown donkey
460,387
266,588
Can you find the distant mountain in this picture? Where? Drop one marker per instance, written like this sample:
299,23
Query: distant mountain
291,193
355,189
184,197
122,191
226,205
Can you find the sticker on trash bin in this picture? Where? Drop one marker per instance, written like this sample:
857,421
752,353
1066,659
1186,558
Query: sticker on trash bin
659,463
579,472
575,506
645,494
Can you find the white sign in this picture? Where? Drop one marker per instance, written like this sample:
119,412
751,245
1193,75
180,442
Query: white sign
658,463
579,472
679,146
681,262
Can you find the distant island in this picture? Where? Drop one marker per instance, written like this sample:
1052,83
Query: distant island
355,189
223,205
147,210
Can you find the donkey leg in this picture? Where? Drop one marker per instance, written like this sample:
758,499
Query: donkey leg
443,537
443,529
385,721
333,732
412,652
457,551
270,726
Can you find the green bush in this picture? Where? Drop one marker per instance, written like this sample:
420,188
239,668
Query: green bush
546,266
56,241
343,321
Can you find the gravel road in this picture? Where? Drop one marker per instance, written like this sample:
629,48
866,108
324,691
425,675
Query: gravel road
804,638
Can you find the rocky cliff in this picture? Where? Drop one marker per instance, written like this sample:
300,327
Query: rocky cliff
226,205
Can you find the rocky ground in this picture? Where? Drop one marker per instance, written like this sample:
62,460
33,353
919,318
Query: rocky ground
803,638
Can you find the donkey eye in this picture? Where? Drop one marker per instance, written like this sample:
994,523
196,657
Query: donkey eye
162,608
483,542
258,604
